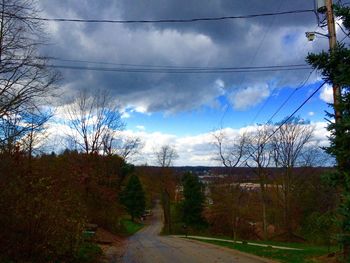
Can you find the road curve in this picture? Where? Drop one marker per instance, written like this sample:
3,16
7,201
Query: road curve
147,246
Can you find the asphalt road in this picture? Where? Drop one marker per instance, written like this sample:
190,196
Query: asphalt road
148,247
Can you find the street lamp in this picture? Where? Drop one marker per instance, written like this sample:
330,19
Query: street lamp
321,6
311,35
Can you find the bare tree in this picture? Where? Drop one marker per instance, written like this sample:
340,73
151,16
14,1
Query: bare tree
226,211
166,156
129,147
25,80
230,151
314,156
34,139
287,145
259,153
19,131
124,146
95,121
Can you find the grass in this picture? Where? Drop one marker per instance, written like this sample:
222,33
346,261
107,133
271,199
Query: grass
307,255
130,227
88,252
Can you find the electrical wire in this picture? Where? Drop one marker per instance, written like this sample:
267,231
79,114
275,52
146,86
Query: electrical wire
257,50
188,20
295,111
266,32
343,30
171,67
176,71
290,96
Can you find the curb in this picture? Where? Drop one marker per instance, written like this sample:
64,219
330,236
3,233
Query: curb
231,250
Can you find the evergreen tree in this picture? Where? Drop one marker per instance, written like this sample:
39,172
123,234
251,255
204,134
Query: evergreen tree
335,67
133,197
192,204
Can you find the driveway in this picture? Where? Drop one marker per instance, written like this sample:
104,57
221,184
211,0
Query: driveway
147,246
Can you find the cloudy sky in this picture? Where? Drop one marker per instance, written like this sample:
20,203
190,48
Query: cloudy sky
182,109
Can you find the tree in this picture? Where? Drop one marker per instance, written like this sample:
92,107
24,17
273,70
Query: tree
165,158
25,80
287,145
133,197
193,202
126,147
258,150
95,121
228,203
230,151
335,67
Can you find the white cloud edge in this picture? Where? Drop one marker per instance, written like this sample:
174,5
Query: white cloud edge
196,150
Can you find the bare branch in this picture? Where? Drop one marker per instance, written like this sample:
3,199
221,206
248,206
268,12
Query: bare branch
230,152
166,156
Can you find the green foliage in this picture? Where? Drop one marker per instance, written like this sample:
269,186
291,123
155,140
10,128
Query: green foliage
177,224
320,228
88,252
335,67
133,197
192,205
306,255
129,227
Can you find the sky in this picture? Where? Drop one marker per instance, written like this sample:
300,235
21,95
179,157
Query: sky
183,109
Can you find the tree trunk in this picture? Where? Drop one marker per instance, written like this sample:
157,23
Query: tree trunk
166,211
264,220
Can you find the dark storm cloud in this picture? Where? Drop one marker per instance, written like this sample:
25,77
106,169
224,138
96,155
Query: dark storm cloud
243,42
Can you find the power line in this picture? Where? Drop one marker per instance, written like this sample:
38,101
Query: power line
294,112
173,67
257,50
178,70
188,20
290,96
302,84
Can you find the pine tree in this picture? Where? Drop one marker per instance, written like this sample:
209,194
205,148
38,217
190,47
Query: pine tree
335,67
192,204
133,197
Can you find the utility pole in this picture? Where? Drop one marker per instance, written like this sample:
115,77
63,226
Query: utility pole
332,45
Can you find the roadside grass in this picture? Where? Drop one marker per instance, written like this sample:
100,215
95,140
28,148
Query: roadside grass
307,255
88,252
129,227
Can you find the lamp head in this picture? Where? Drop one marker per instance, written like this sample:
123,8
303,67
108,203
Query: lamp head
310,36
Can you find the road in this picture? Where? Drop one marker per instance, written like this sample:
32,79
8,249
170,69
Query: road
148,247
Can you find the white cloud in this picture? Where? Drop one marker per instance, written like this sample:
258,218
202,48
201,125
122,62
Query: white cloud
243,99
141,109
125,115
327,94
193,150
311,113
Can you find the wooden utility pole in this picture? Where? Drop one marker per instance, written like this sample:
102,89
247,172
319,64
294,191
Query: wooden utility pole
332,45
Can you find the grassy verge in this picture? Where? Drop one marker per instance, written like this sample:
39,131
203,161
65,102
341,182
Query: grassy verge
130,227
307,255
88,252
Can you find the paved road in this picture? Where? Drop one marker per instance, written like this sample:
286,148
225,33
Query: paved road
148,247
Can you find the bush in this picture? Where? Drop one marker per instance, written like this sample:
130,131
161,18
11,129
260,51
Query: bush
88,252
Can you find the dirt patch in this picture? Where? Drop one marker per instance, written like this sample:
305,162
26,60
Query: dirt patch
113,246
